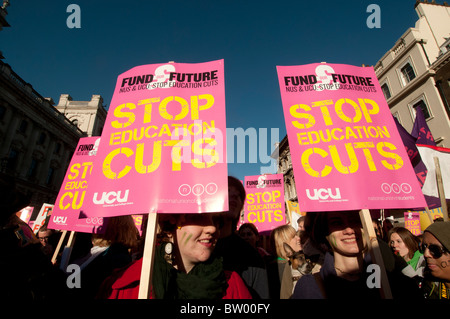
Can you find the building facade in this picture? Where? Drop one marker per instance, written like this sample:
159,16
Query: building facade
415,72
282,154
36,139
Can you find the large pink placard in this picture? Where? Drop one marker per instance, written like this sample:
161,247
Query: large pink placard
346,151
163,147
71,198
264,204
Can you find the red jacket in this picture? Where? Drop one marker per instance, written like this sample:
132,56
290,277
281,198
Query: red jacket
124,284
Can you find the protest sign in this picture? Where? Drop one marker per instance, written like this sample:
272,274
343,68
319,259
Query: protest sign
428,153
294,213
46,210
425,218
345,147
420,131
264,202
412,222
25,213
163,146
71,198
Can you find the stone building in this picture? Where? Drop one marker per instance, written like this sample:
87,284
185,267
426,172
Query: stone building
284,166
36,139
415,71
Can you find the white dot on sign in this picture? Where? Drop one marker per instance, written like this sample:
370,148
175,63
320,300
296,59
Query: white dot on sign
406,188
211,188
396,188
386,188
184,190
198,189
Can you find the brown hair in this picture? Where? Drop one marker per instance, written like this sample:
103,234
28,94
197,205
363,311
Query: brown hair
411,241
119,229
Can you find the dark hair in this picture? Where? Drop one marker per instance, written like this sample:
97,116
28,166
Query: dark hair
233,181
250,226
119,229
411,241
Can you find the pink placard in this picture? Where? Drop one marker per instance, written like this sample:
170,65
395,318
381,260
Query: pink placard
71,198
412,223
346,150
163,146
264,204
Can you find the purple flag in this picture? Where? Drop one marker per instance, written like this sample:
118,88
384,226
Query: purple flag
419,167
421,131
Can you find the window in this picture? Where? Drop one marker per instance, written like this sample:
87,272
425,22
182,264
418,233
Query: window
421,103
50,174
408,73
23,127
41,139
386,91
33,168
57,148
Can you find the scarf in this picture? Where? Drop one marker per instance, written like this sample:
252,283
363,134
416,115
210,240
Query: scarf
205,281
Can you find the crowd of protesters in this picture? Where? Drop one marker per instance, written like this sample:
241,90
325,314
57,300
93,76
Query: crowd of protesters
205,256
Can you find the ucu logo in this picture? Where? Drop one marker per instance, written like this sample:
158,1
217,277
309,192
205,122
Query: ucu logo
323,193
111,197
59,220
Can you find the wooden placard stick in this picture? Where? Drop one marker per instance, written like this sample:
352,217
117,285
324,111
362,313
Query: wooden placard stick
58,248
429,215
441,191
148,256
374,250
67,251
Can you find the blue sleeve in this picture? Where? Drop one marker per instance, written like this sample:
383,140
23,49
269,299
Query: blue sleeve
307,288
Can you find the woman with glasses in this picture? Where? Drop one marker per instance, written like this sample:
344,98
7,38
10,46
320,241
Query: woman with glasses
436,250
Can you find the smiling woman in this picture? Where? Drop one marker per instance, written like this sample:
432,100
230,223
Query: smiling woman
184,264
345,272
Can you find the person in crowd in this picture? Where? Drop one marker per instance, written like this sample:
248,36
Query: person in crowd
378,228
344,272
237,254
250,234
279,236
301,223
184,264
49,239
26,273
406,245
110,250
385,228
436,250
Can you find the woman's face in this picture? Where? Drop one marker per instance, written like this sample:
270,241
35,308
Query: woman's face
196,238
295,242
399,247
439,267
345,234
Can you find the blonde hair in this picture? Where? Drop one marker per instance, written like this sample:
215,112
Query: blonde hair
279,236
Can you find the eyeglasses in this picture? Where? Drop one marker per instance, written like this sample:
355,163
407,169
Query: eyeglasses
44,238
435,250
